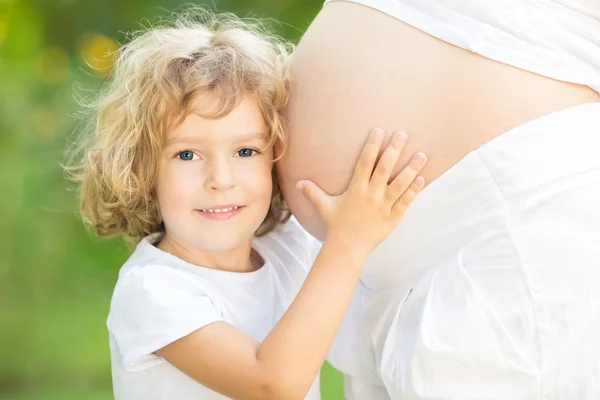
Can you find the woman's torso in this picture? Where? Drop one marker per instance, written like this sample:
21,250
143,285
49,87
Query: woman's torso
489,286
357,68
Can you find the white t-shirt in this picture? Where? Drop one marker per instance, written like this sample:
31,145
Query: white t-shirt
489,287
559,39
160,298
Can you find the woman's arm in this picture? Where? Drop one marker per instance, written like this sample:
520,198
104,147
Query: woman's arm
285,364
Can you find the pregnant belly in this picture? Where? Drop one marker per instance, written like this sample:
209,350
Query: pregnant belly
357,68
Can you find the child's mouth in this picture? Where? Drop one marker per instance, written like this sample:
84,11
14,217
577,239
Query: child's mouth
221,213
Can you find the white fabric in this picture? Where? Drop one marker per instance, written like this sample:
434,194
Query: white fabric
160,298
490,286
559,39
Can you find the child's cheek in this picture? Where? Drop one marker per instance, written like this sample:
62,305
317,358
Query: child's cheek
178,187
262,180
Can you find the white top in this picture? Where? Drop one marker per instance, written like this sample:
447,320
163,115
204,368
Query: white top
160,298
559,39
490,286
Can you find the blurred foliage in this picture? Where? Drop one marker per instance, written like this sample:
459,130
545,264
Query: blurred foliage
55,278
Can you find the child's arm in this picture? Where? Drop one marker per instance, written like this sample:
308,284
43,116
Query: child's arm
286,363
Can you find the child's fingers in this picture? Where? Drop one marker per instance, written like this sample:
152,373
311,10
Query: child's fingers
388,160
409,195
314,194
366,162
405,178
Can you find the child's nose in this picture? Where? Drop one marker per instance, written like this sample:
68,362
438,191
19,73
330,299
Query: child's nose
221,176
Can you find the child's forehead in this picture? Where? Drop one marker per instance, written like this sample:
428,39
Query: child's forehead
212,135
243,122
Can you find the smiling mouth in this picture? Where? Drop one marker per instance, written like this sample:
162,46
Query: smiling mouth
221,213
220,210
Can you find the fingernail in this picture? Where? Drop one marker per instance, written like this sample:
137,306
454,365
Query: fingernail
420,157
401,137
377,133
299,185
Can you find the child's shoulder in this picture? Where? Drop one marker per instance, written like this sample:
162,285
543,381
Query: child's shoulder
153,287
290,241
289,233
155,303
291,230
152,273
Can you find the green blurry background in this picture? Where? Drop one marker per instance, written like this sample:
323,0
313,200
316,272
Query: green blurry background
55,278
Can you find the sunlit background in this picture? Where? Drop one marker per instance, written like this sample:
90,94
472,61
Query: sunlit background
55,278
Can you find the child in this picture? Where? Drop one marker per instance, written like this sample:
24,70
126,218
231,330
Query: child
215,301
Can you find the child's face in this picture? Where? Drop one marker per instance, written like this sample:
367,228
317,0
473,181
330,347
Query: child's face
218,165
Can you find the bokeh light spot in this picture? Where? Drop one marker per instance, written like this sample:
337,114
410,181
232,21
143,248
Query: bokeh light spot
97,52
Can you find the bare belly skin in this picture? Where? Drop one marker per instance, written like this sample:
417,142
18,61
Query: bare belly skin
356,69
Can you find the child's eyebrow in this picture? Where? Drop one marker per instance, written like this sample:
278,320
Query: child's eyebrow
239,138
252,135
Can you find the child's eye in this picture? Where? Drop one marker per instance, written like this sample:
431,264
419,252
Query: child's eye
186,155
246,152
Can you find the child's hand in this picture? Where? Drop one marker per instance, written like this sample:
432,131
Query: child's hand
370,208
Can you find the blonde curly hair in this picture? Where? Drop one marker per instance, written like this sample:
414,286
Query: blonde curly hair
157,75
